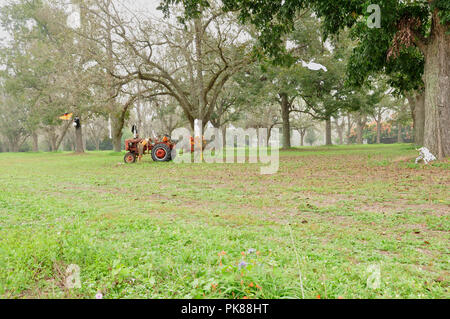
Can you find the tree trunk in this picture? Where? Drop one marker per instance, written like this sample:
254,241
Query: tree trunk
399,133
199,69
79,140
302,137
117,123
35,142
359,129
340,130
117,142
13,145
52,140
328,140
378,132
437,90
349,128
84,142
224,136
341,137
15,148
286,123
269,134
417,105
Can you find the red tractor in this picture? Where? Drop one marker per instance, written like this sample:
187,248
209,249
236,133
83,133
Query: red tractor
161,148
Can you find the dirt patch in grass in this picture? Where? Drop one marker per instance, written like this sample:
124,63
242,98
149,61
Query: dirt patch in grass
402,206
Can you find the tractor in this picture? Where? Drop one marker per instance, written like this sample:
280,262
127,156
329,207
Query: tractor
162,148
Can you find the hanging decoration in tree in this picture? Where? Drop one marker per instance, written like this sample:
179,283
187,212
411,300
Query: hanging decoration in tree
76,122
66,117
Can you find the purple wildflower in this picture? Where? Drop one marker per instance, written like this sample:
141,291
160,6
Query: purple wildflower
242,264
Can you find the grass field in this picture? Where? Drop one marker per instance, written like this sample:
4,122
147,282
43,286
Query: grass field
334,216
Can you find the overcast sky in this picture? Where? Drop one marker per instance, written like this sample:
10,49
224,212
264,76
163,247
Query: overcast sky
148,6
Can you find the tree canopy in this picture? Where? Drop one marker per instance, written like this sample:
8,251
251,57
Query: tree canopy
410,43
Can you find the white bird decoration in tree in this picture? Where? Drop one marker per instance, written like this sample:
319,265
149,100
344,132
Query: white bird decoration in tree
314,66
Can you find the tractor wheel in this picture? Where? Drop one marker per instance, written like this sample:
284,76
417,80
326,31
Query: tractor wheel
130,158
161,153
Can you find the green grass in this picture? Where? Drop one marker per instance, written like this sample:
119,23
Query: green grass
158,230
